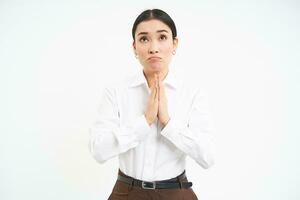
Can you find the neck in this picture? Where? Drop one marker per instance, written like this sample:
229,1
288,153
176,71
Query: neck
150,76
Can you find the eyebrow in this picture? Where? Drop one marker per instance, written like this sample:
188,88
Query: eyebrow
159,31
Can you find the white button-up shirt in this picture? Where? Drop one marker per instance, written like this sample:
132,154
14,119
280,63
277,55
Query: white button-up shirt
152,152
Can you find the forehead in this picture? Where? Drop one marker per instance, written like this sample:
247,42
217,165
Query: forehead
152,26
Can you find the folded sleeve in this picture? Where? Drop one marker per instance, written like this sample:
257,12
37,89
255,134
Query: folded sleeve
107,138
195,137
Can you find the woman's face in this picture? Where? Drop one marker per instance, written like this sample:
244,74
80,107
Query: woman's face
154,45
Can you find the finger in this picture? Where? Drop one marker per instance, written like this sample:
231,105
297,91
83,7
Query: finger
153,88
161,89
158,85
156,90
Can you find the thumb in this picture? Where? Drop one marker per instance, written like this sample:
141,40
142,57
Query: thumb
153,90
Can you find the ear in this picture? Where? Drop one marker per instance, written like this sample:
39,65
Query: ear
134,47
175,43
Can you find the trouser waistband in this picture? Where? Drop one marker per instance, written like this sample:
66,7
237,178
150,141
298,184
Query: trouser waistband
179,181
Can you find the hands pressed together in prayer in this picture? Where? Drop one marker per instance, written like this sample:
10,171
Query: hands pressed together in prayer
157,103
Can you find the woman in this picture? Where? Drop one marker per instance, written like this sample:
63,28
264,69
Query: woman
153,120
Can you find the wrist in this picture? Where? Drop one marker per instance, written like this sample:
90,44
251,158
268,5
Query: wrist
147,119
165,122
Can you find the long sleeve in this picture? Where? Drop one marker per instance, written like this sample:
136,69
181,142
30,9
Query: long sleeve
107,137
195,137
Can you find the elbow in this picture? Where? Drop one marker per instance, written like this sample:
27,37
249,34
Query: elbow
99,158
96,154
208,157
206,162
95,146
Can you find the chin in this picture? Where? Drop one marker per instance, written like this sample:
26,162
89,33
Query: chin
154,68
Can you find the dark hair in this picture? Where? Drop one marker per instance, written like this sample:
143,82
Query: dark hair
155,14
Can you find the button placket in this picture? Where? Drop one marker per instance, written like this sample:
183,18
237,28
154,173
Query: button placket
150,151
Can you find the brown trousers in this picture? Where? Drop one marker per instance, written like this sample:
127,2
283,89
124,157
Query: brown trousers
123,191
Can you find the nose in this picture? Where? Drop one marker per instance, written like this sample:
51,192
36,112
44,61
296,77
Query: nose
153,48
153,51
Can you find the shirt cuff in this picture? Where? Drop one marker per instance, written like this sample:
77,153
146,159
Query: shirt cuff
170,128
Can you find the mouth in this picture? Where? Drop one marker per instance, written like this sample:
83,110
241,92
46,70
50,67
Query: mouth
154,58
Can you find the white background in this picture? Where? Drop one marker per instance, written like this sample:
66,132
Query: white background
57,56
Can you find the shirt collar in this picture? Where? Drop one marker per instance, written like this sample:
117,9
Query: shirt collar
171,79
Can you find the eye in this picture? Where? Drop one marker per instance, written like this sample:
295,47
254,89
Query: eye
163,37
143,39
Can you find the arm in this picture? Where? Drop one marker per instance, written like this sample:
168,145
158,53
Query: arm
107,137
195,138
